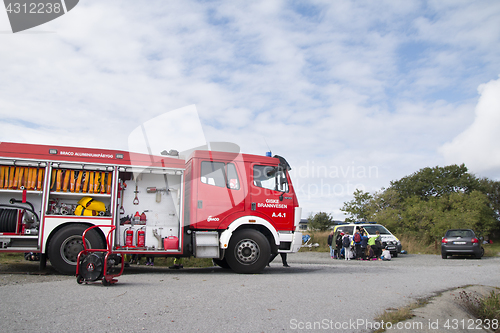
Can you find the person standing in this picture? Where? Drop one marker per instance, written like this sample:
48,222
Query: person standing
378,244
357,243
330,244
372,246
346,244
364,244
338,243
283,259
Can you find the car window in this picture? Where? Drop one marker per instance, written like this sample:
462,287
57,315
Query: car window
459,233
347,228
372,229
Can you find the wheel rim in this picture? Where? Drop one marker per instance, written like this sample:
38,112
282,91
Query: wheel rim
71,247
247,251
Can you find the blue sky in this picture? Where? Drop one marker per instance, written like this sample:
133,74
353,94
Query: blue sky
353,93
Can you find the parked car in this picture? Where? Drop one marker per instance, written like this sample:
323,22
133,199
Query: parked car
461,242
388,239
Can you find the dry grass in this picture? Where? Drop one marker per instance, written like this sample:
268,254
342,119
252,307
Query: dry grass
413,245
485,308
320,237
11,258
16,258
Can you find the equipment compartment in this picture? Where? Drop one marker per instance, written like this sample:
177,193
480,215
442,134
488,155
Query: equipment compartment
149,204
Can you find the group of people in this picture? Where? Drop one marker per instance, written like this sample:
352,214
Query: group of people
358,246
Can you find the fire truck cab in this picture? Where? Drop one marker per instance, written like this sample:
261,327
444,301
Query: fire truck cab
237,209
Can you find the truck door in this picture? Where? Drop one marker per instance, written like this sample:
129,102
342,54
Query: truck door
220,193
272,196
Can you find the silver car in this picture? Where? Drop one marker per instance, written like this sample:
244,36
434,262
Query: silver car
461,242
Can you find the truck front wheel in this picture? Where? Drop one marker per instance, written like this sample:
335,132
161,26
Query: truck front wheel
248,251
67,243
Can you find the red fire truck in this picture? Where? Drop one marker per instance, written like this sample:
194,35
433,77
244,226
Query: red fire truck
238,209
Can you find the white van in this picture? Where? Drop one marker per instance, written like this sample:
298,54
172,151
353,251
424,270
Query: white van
388,239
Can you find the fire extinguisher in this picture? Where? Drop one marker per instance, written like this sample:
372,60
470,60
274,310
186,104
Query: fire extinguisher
141,237
129,237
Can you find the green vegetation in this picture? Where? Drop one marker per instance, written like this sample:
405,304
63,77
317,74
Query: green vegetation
321,221
487,307
424,205
394,316
186,262
11,258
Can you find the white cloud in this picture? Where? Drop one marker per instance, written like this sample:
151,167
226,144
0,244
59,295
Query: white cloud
478,146
340,84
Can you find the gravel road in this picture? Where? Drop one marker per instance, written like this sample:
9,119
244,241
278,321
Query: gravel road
315,294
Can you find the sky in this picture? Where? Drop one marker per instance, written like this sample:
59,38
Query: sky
354,94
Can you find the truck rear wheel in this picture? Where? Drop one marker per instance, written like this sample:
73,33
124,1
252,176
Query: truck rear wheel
67,243
248,251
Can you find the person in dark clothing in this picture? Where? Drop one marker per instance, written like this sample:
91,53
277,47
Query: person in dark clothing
357,243
371,253
331,245
364,244
283,259
338,243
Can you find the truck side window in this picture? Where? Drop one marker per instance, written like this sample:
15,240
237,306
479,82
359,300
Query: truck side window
212,173
270,177
233,181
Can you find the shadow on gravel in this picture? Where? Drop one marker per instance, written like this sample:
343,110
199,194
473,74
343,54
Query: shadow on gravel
32,268
214,270
28,267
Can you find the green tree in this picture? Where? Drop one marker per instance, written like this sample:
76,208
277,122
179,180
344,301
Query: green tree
320,221
435,182
357,209
492,190
386,208
429,219
430,201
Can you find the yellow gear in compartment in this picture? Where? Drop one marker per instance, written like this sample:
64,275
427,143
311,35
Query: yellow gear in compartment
91,204
81,211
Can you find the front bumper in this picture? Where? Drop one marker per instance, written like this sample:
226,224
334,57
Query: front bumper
290,242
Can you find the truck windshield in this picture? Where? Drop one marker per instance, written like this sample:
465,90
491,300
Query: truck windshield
371,229
270,177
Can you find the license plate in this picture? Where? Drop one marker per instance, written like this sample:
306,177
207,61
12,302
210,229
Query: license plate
460,243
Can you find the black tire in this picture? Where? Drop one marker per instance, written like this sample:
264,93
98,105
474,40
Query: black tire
221,263
66,244
248,251
394,254
444,255
481,254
